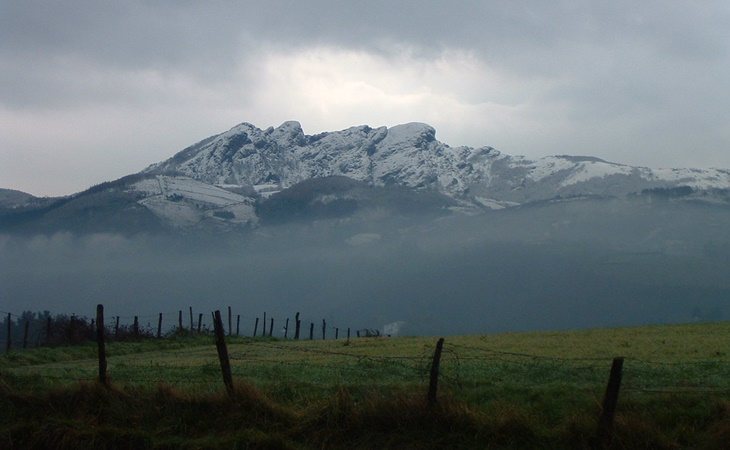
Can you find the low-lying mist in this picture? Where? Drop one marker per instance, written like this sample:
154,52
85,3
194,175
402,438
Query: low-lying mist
522,270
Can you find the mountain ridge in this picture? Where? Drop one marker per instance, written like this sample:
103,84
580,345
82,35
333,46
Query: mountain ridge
236,179
411,156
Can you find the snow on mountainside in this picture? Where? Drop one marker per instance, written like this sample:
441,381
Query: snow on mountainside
184,202
409,155
135,203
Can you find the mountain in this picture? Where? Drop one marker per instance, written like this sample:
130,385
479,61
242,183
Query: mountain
409,155
137,203
14,199
247,177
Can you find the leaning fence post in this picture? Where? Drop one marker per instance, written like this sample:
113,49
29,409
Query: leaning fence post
348,334
200,322
610,400
238,324
311,331
116,328
286,328
179,321
135,327
324,329
192,326
220,344
100,343
297,325
256,327
433,384
25,334
10,330
263,326
337,333
159,326
271,327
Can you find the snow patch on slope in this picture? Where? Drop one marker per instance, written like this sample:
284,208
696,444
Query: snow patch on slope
549,166
703,179
184,202
590,170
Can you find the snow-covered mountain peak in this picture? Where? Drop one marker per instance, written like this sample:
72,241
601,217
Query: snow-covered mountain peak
414,133
243,127
290,126
289,133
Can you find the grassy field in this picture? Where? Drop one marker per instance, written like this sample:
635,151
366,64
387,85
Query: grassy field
540,390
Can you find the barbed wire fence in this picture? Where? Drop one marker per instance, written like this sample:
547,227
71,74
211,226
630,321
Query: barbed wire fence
35,329
460,368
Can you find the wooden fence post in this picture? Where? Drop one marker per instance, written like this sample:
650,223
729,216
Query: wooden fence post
25,334
263,326
433,383
238,324
610,400
230,324
135,328
271,327
10,330
256,327
200,322
159,326
116,328
192,326
179,321
311,331
324,329
48,331
100,343
286,328
220,344
71,331
337,333
348,334
297,326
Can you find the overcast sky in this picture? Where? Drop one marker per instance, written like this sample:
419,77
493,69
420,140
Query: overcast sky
91,91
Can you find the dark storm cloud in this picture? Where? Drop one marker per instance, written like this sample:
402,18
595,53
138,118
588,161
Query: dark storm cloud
639,83
211,40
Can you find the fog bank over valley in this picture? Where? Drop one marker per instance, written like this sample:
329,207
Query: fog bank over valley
552,265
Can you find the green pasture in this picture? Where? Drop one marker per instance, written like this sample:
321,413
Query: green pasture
676,358
676,378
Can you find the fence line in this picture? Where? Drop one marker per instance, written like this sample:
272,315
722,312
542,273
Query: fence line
126,327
